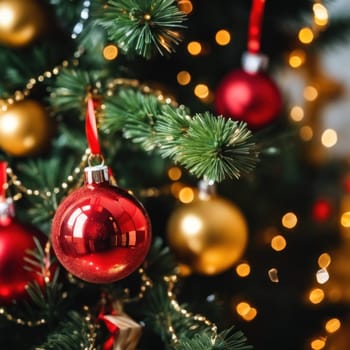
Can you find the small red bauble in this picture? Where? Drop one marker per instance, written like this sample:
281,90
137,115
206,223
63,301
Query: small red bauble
248,96
100,233
15,240
321,210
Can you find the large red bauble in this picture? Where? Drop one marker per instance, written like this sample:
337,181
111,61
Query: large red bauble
250,97
101,233
15,240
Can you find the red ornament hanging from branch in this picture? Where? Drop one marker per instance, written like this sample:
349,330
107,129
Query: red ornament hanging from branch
16,239
247,93
100,232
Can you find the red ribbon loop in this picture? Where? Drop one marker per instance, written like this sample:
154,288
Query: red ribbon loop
91,128
3,179
255,24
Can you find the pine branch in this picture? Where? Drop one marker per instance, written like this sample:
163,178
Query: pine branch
44,178
71,89
207,146
45,297
141,27
162,317
72,333
226,340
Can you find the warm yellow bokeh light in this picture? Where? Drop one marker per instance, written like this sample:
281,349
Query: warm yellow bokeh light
250,315
110,52
194,48
320,14
318,344
297,113
345,219
289,220
316,296
185,6
324,260
296,58
223,37
306,35
243,270
174,173
243,308
183,77
175,189
278,243
322,276
332,325
306,133
329,138
186,195
310,93
201,91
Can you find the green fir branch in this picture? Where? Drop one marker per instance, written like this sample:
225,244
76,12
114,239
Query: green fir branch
226,340
71,88
161,316
73,333
217,148
206,145
135,115
141,27
46,296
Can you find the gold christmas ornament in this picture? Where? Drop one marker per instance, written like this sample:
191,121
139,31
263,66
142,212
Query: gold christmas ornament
25,128
208,235
21,22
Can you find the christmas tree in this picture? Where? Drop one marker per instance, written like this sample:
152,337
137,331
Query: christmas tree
168,175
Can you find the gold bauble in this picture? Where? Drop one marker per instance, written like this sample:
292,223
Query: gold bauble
208,235
25,128
21,21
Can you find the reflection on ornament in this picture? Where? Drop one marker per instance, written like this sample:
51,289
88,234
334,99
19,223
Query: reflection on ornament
25,128
209,235
21,22
100,233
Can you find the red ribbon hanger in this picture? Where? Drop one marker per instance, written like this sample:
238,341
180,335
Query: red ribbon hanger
255,26
91,128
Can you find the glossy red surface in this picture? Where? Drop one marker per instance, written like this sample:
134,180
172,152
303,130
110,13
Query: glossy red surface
100,233
15,240
250,97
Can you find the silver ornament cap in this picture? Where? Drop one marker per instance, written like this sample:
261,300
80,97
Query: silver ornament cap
96,174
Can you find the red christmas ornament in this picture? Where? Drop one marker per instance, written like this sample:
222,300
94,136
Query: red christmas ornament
248,94
250,97
100,233
15,240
